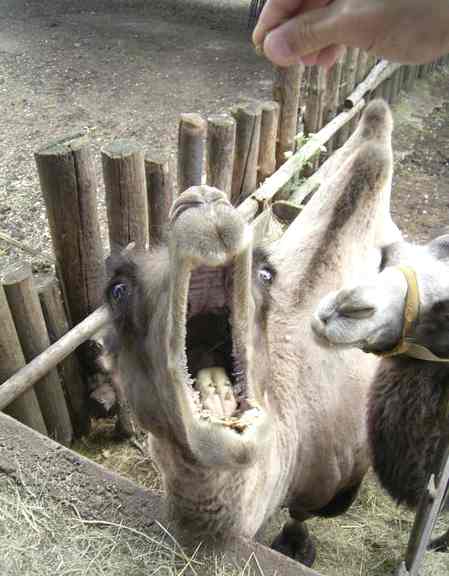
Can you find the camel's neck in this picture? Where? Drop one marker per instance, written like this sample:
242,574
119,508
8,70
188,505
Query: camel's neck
333,241
221,501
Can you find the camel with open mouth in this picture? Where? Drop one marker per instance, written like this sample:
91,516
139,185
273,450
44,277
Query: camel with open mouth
215,351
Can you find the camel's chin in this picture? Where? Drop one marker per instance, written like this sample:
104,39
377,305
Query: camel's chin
227,426
235,441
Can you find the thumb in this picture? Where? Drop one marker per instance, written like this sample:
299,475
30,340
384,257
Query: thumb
304,34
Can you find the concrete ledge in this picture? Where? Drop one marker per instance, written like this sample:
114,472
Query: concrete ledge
41,464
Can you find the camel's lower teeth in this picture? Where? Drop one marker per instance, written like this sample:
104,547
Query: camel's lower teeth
217,398
215,391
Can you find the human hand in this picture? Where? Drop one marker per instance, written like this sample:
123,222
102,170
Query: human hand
313,31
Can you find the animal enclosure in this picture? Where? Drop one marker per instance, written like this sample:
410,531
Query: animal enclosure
234,152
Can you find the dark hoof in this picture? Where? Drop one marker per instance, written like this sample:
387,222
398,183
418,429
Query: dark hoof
440,544
294,541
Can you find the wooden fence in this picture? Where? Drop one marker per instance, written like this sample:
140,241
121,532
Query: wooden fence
252,152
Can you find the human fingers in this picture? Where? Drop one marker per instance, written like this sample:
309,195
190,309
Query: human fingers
329,55
302,35
275,12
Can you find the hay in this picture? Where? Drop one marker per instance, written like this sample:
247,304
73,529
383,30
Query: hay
40,537
369,540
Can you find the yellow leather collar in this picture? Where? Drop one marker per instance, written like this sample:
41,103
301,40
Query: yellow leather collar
411,314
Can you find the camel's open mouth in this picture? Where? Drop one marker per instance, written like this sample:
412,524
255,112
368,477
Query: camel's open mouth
217,360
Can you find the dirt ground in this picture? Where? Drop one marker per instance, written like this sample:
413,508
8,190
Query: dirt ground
127,69
118,69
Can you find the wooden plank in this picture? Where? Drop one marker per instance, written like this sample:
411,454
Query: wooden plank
268,139
379,74
244,178
24,408
126,195
21,381
221,135
286,91
69,369
191,146
272,185
68,182
160,196
29,320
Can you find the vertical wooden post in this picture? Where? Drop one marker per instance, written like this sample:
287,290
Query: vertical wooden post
30,325
313,117
69,369
244,178
378,92
333,97
221,134
286,91
191,145
398,81
362,66
385,88
361,73
409,77
68,182
314,113
348,85
268,138
126,195
67,178
160,196
25,408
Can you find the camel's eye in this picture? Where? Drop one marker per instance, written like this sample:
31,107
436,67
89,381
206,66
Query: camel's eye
349,311
119,292
266,275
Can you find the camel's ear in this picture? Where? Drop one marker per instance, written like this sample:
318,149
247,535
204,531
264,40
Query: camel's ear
440,247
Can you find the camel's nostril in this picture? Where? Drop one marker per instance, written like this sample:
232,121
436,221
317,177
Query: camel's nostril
318,324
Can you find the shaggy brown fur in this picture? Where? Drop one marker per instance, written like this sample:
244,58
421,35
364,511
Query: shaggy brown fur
405,423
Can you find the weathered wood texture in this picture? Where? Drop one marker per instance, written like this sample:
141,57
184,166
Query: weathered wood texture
314,113
67,178
295,164
313,117
191,147
160,196
332,98
126,195
268,139
244,178
286,91
21,381
26,407
221,135
29,320
69,369
348,82
376,76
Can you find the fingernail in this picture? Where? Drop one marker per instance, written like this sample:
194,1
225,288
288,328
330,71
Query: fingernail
259,49
276,47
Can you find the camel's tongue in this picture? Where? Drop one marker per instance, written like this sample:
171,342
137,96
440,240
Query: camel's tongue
208,290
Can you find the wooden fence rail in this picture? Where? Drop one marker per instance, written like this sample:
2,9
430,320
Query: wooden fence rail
236,151
252,153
